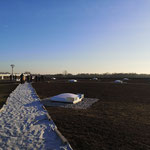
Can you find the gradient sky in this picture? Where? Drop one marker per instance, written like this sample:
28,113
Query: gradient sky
80,36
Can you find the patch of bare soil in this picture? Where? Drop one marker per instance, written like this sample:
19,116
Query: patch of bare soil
120,120
5,89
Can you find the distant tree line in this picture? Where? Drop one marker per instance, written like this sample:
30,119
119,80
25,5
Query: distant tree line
66,75
4,73
104,75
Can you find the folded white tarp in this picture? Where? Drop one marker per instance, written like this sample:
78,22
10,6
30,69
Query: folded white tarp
68,98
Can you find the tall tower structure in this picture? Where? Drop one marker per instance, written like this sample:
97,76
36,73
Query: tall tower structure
12,66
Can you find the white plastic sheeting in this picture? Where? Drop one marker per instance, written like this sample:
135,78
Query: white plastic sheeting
84,104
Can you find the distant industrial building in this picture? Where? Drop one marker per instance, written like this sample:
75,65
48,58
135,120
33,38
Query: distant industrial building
6,76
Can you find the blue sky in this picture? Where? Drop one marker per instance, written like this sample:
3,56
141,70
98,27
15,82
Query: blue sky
80,36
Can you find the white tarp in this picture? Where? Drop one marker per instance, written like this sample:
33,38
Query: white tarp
68,97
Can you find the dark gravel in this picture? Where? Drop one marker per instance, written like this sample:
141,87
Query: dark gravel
120,120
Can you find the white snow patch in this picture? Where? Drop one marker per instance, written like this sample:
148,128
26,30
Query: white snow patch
125,79
67,98
118,81
95,79
72,80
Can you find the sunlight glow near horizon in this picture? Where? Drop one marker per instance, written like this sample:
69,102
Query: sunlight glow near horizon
78,36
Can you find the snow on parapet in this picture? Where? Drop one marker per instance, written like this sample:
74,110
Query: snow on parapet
24,123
